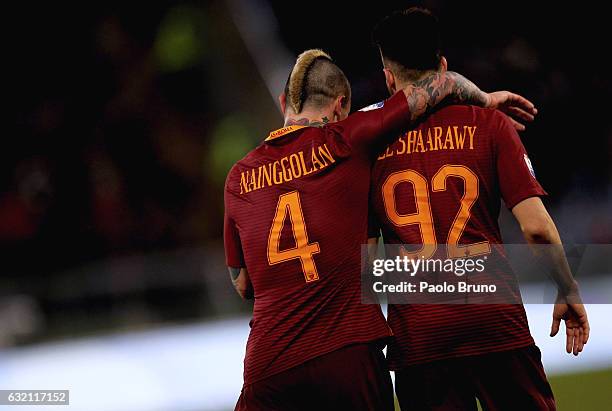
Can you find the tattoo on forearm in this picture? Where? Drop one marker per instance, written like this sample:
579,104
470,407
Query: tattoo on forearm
306,122
244,286
424,94
234,273
464,91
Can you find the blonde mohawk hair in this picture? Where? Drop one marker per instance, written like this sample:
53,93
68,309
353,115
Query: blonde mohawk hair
298,76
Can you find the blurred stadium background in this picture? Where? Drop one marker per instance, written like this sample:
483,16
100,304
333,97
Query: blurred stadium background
123,120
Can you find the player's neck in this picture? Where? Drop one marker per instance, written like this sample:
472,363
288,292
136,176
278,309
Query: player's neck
308,118
400,85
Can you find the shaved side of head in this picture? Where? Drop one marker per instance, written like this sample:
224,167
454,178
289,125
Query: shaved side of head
315,81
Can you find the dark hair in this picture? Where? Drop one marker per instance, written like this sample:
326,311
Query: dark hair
315,80
410,38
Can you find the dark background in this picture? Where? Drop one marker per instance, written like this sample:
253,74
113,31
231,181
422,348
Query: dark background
123,119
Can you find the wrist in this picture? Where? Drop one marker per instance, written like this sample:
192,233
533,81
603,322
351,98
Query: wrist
570,289
487,100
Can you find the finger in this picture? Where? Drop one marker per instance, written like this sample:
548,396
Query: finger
580,345
586,329
554,329
520,113
518,100
517,126
569,341
575,341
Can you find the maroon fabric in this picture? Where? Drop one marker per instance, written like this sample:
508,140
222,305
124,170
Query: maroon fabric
505,381
295,317
351,378
471,140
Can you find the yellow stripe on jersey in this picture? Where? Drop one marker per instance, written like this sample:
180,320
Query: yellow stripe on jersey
282,131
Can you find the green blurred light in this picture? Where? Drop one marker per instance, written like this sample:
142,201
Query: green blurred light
230,141
179,43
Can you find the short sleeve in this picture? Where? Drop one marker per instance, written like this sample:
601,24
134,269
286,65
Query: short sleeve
373,224
379,125
231,236
515,172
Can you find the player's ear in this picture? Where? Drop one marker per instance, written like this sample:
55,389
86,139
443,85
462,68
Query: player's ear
390,81
339,112
282,101
443,65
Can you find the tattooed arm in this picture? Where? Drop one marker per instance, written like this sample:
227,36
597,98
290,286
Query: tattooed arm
241,281
425,94
370,130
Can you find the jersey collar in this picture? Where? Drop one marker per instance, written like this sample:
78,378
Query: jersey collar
283,131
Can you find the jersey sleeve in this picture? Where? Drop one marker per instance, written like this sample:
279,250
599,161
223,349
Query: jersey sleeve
377,127
515,173
373,224
231,236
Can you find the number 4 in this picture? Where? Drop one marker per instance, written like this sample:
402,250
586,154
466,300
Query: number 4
289,204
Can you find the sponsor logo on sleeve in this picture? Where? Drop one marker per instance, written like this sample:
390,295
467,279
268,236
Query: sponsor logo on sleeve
374,106
529,165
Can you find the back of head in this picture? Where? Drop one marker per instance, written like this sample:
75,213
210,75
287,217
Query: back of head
315,81
409,40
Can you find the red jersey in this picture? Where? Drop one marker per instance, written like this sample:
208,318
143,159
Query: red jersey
441,184
296,214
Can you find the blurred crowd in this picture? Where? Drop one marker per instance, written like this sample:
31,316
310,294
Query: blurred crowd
109,138
114,126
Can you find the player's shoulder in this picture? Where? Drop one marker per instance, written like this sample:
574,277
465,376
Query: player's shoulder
469,112
488,118
270,149
263,150
232,178
241,165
